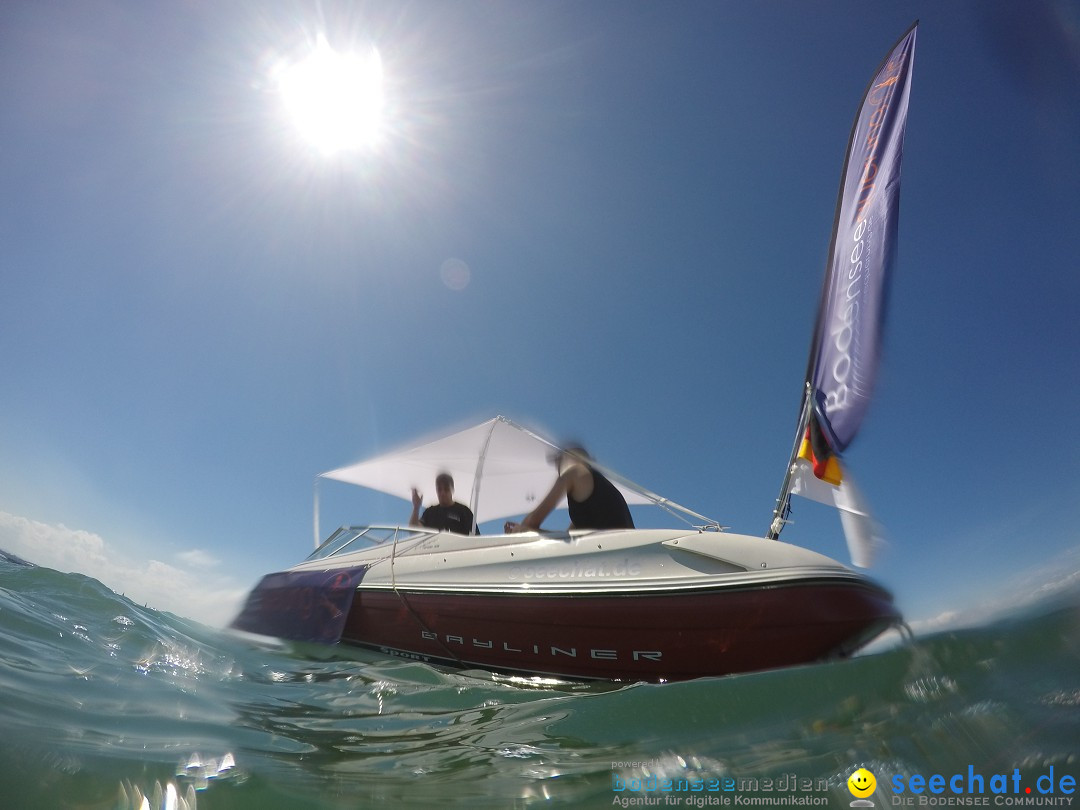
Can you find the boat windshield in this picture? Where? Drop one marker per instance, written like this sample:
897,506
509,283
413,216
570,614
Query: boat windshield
353,538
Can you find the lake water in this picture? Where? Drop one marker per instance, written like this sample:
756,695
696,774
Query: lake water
106,704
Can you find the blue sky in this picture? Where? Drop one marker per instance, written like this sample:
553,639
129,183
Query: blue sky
202,311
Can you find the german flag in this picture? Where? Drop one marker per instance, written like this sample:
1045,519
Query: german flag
815,450
820,478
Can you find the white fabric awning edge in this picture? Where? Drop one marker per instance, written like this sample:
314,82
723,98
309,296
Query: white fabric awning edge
499,466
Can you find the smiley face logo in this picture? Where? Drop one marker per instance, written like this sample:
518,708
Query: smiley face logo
861,783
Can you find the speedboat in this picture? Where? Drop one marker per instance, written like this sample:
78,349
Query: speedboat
650,604
625,604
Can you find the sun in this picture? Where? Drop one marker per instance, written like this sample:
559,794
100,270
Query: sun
335,100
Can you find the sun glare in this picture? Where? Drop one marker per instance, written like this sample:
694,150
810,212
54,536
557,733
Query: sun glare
335,100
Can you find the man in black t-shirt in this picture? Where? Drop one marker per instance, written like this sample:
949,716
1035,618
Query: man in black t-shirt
447,514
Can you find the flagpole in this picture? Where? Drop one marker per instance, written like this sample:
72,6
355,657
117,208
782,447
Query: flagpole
782,501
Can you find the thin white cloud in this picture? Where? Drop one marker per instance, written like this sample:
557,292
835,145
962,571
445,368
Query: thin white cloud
943,621
1058,576
209,599
199,558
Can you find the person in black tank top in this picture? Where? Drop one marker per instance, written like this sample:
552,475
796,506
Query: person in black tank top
604,508
593,501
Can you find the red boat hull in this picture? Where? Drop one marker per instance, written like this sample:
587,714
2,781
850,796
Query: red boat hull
634,636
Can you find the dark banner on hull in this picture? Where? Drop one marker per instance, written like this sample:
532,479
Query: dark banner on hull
847,335
301,605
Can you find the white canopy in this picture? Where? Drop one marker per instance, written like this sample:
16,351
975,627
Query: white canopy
500,467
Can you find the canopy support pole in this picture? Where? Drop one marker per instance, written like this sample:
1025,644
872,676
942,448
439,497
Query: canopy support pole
474,497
